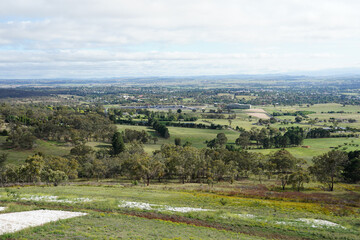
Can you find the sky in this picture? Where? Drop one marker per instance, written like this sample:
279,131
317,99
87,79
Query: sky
122,38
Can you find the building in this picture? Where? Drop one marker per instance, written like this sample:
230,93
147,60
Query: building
238,106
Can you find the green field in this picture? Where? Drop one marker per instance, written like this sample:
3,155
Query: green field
350,111
228,212
18,156
318,108
198,136
318,146
194,135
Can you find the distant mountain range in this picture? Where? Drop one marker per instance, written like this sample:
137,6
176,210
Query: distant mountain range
352,74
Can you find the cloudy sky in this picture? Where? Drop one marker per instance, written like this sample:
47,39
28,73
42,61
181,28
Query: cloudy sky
115,38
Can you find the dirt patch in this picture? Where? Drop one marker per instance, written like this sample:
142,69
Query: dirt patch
259,115
255,110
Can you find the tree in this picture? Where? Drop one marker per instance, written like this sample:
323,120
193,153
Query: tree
187,144
3,158
179,111
212,143
54,177
161,129
21,137
118,145
352,168
284,163
352,171
298,178
221,139
67,165
177,141
141,166
243,141
260,167
81,150
328,167
33,167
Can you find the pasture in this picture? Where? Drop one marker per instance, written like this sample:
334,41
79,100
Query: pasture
197,137
18,156
318,146
194,135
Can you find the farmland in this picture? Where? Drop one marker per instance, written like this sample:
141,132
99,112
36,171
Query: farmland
198,137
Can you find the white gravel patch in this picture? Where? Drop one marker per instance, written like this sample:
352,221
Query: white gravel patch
319,223
13,222
54,199
246,215
148,206
2,208
184,209
139,205
314,223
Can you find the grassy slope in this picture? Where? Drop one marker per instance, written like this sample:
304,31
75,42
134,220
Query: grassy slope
111,223
196,136
18,156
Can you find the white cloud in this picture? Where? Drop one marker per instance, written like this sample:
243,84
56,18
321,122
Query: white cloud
294,33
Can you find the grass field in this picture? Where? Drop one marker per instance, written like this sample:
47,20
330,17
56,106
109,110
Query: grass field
321,112
194,135
18,156
318,146
240,121
198,136
237,211
318,108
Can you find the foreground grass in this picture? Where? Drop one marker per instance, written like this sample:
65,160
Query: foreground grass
120,226
239,208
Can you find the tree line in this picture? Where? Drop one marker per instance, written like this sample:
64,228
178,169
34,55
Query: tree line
185,163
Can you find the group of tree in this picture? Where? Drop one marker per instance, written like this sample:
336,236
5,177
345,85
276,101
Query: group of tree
318,133
185,163
50,169
161,129
58,123
131,135
270,137
217,142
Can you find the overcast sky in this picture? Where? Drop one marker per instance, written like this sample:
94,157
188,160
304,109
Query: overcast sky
115,38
